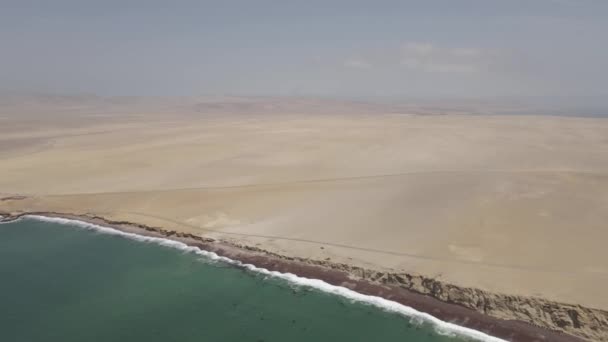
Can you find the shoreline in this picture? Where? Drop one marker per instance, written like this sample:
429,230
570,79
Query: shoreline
348,277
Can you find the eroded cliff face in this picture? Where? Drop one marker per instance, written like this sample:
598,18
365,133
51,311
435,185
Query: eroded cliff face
576,320
587,323
579,321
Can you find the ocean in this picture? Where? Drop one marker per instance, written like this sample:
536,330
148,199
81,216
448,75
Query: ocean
60,282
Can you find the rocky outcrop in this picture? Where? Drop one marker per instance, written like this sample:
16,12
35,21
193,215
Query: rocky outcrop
591,324
12,198
587,323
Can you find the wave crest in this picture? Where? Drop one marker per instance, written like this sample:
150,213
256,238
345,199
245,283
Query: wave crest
441,327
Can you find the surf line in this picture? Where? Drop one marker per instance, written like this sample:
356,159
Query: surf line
441,327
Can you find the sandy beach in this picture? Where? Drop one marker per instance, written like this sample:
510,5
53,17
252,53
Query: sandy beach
500,207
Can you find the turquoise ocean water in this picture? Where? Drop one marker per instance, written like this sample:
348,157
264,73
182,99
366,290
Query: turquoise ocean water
62,283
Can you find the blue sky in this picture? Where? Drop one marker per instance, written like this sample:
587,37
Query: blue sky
432,48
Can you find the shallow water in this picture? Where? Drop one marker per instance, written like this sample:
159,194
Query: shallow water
62,283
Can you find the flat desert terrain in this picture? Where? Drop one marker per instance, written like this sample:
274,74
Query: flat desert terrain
511,204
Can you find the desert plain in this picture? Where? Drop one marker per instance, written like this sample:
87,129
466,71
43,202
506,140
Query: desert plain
511,204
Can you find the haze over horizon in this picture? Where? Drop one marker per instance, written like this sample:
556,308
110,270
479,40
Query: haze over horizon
436,49
442,159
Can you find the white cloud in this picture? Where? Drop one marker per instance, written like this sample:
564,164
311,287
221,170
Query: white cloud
427,58
357,63
432,58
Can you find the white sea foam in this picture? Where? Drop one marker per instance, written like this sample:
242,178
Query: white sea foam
4,219
444,328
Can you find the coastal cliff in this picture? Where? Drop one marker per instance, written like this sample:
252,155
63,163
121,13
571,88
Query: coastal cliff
558,321
590,324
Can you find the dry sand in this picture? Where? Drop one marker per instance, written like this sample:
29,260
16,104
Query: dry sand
516,205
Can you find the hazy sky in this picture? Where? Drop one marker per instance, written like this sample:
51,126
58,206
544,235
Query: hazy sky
427,48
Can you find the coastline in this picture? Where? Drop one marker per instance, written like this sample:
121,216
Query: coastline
365,282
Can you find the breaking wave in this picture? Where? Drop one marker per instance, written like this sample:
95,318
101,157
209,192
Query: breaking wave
443,328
